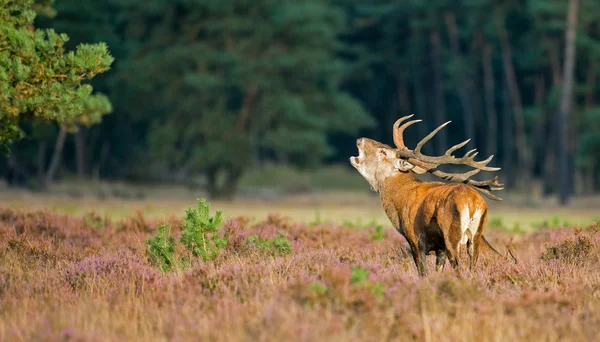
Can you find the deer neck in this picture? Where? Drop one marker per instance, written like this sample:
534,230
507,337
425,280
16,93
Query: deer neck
397,184
398,193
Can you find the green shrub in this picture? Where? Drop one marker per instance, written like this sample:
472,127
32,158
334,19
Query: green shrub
378,234
200,236
317,288
278,245
162,249
200,232
496,222
360,277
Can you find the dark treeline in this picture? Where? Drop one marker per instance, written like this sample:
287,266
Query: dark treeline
213,87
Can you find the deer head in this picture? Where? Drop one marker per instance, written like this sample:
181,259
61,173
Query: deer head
375,161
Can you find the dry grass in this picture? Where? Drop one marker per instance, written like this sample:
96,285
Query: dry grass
64,277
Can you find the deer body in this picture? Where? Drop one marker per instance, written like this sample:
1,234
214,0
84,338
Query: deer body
432,216
435,217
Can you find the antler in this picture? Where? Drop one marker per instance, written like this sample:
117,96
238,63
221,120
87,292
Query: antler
431,164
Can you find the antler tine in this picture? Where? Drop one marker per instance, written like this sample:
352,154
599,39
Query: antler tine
484,163
466,175
428,137
431,164
457,146
399,130
468,154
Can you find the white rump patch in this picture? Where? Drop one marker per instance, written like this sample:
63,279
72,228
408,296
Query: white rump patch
468,224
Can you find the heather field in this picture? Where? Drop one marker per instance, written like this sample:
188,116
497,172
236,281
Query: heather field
91,278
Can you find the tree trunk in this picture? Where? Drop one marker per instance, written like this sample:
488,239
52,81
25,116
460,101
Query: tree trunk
80,138
539,123
588,171
56,158
462,83
523,153
247,102
565,105
507,138
554,62
490,106
591,82
549,164
440,113
545,134
225,191
41,161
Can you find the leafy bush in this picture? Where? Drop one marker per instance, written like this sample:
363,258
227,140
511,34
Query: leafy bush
200,236
162,249
360,277
378,234
277,245
200,232
496,222
317,288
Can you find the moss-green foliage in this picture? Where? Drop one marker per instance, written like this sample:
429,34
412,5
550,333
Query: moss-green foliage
41,81
360,277
162,249
200,232
378,234
317,288
496,222
554,222
278,245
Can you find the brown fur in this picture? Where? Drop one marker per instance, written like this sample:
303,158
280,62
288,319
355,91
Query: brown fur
427,214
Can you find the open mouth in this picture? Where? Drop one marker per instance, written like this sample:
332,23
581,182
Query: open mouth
356,160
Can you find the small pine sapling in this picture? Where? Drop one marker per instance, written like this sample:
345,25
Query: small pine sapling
200,232
162,249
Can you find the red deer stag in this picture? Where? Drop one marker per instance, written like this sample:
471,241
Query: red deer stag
432,216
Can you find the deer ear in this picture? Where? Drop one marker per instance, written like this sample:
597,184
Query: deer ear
403,165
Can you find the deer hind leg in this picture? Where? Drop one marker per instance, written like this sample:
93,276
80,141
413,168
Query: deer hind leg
477,238
440,260
454,237
419,258
452,249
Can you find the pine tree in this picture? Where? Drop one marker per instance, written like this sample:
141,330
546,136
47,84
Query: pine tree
39,80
